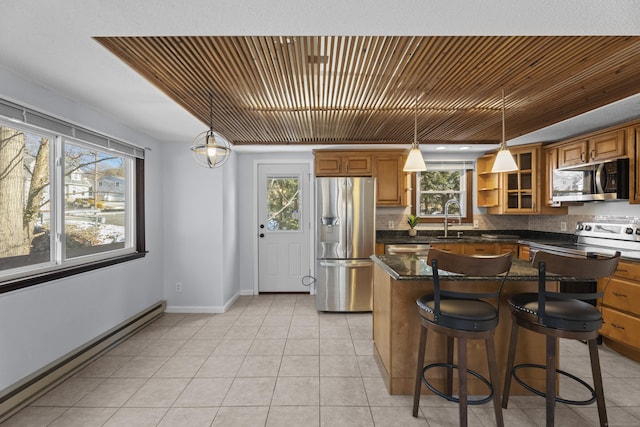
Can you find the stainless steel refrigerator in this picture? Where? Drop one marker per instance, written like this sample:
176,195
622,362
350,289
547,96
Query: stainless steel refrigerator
345,239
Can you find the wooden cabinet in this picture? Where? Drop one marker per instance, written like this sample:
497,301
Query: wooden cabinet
551,163
522,192
342,163
620,309
488,182
633,144
456,248
593,148
385,165
391,181
524,252
503,248
480,248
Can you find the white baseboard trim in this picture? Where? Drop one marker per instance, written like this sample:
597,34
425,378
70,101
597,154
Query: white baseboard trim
215,309
25,391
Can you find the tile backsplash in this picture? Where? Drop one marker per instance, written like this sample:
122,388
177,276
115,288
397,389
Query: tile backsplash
396,219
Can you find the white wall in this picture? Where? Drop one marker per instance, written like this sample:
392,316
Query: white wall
42,323
199,232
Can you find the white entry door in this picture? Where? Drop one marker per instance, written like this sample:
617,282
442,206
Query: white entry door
284,228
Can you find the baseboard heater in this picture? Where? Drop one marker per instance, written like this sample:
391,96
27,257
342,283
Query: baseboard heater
19,395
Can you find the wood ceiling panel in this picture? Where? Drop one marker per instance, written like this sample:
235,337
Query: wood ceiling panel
357,89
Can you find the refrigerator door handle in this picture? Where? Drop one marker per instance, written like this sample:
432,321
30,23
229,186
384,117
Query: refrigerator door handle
351,264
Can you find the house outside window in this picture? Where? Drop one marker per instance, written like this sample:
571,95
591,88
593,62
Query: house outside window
67,205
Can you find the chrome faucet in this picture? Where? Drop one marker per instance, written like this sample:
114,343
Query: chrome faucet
446,214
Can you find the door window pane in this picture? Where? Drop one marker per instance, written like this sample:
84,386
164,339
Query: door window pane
94,200
283,204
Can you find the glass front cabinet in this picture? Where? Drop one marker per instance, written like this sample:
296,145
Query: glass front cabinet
522,191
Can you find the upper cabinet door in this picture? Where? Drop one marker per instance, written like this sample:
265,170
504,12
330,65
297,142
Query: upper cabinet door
391,179
574,153
595,148
337,163
606,146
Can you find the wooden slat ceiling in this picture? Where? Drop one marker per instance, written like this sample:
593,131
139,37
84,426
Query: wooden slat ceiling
350,90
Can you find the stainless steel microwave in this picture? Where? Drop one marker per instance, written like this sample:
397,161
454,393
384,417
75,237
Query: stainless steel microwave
599,181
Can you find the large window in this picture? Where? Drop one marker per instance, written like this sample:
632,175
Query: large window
67,205
440,183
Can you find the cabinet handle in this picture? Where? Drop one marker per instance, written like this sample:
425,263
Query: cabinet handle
617,326
619,294
582,159
593,157
621,270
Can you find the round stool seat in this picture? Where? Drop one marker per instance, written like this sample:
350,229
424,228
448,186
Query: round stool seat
462,314
566,314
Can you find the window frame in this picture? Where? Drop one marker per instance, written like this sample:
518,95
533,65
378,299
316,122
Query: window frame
467,219
55,267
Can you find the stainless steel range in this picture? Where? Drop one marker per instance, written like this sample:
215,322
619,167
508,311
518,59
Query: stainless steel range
594,238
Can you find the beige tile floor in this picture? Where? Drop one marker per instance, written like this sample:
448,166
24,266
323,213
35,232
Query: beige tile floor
275,361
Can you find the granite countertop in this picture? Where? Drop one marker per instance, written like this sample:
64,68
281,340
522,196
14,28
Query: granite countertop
412,267
390,237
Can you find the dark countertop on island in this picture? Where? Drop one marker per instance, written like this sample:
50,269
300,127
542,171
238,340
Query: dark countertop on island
412,267
390,237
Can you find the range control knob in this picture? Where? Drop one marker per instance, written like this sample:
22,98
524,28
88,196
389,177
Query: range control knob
580,227
628,230
638,231
587,228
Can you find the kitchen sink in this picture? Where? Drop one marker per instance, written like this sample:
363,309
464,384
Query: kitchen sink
451,237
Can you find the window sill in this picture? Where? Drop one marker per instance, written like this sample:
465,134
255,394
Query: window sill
36,279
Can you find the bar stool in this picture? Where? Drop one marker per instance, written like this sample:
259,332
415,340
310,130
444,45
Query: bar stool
464,315
560,315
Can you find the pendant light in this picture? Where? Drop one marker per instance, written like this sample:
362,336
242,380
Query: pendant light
504,160
206,150
415,161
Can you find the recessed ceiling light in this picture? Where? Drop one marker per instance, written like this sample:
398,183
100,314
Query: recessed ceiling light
441,147
464,147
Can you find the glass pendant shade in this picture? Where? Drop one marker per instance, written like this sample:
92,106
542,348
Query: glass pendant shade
208,152
504,162
415,161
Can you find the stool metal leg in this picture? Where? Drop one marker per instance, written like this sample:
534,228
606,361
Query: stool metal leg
513,342
419,368
597,381
462,380
493,374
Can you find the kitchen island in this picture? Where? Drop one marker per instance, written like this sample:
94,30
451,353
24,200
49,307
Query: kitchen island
401,279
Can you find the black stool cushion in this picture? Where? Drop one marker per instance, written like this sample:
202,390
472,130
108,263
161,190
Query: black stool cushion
566,314
462,314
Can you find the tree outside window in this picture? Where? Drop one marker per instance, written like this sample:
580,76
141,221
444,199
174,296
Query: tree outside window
436,186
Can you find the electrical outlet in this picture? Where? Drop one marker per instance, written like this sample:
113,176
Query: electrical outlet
476,223
179,287
391,224
563,226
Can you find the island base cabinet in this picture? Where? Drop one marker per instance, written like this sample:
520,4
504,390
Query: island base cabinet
396,331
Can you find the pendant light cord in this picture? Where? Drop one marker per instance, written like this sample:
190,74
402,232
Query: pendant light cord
415,120
504,141
211,112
